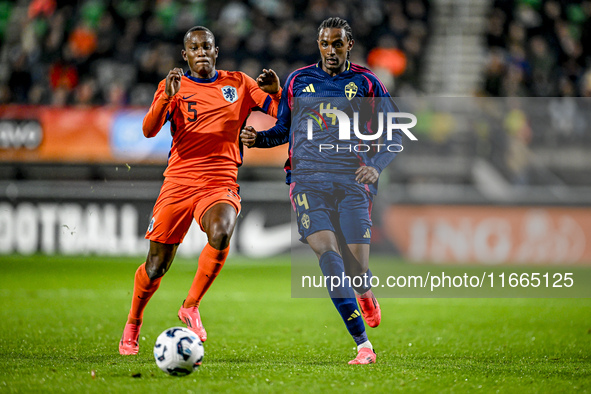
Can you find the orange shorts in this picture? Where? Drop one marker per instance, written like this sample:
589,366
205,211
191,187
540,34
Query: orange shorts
177,205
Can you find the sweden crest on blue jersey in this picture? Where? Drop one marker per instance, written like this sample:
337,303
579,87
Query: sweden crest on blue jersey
306,221
230,93
351,90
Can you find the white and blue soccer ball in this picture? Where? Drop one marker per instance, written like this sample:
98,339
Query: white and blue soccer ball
178,351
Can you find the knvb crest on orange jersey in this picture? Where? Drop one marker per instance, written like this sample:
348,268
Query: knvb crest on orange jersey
230,93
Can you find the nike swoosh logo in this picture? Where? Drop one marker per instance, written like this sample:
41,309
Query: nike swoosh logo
256,240
184,98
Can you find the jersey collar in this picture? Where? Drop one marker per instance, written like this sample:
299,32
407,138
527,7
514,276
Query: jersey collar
319,66
202,80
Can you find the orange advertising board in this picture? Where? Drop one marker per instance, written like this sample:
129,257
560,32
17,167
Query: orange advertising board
101,134
490,235
30,133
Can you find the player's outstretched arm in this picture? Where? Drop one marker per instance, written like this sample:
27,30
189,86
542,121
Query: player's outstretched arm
366,174
248,136
269,82
156,115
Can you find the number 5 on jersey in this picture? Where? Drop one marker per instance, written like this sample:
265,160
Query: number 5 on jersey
192,110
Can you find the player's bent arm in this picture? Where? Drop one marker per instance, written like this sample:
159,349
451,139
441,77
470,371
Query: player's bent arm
269,82
264,94
156,116
278,134
274,106
384,157
271,102
275,136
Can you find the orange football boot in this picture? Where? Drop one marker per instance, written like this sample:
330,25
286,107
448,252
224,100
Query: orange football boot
364,356
370,309
190,316
129,344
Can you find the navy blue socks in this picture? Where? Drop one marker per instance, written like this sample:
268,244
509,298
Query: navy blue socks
342,295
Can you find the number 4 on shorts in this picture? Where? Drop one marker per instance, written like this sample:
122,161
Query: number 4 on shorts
302,200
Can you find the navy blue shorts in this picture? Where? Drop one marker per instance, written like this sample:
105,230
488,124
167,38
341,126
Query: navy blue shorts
343,208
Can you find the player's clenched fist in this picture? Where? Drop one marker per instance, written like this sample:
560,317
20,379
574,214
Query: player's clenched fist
366,174
173,81
268,81
248,136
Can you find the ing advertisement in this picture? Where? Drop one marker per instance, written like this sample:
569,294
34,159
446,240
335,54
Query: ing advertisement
490,235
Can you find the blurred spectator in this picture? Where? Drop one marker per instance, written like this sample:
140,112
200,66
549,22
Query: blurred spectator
495,72
586,31
538,48
386,57
586,84
542,67
86,93
41,8
82,41
116,96
495,37
97,52
517,154
20,80
63,75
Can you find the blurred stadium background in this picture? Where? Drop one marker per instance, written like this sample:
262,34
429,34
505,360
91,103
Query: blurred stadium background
507,182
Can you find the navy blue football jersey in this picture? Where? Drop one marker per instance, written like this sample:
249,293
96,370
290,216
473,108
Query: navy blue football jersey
307,91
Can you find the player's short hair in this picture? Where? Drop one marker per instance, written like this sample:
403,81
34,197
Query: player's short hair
336,23
197,28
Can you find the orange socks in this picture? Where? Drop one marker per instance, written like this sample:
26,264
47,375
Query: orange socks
211,262
143,289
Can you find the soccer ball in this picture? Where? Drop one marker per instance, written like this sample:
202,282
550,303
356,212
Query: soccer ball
178,351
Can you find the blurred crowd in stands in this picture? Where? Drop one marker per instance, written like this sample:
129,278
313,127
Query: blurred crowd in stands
114,52
539,48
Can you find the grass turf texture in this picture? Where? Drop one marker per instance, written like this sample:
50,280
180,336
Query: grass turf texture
61,319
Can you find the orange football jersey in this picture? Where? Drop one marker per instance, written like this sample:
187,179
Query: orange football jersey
206,117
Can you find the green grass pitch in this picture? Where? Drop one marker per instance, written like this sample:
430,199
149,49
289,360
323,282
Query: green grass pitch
61,319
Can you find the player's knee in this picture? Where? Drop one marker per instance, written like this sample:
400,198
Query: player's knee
156,266
155,272
320,249
219,237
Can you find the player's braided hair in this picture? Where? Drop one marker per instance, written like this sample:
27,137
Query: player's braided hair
197,28
336,23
